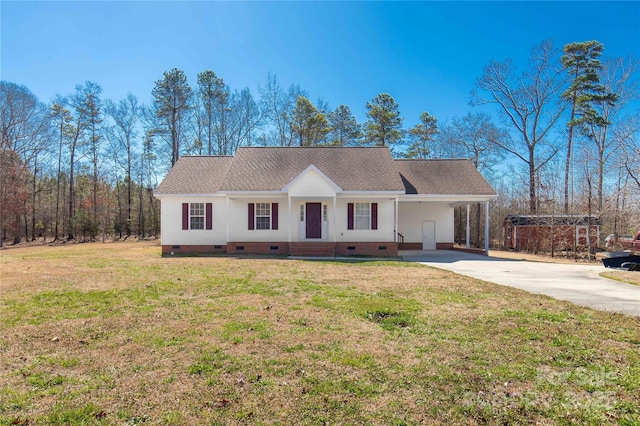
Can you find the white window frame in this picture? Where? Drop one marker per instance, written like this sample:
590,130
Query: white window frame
263,216
197,216
362,216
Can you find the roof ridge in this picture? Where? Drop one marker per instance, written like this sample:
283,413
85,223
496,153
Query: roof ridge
207,156
432,159
313,147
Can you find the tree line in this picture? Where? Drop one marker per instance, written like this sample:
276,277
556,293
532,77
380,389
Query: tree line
562,138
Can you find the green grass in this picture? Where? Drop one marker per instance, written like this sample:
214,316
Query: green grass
115,334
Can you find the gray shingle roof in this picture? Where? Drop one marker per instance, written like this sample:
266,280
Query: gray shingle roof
195,175
351,168
455,177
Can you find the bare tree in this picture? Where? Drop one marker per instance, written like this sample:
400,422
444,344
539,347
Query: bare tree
24,128
249,117
126,115
475,137
61,119
530,104
629,135
617,76
278,105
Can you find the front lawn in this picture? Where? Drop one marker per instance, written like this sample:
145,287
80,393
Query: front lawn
116,334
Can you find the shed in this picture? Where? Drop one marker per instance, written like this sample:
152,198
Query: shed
547,232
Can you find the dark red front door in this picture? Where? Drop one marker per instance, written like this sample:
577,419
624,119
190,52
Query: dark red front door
314,220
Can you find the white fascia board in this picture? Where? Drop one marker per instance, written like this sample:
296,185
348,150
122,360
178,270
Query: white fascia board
250,194
371,194
457,199
187,195
335,186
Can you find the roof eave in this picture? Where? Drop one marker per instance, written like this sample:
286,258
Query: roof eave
459,199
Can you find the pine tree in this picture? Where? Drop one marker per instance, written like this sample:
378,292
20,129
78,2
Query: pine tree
171,101
345,130
580,59
308,124
423,134
384,126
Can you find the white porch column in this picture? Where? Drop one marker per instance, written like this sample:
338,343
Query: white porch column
333,225
289,227
227,219
486,228
468,237
395,237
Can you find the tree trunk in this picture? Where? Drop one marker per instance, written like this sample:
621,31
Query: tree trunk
533,197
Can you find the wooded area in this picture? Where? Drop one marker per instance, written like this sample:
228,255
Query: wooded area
561,137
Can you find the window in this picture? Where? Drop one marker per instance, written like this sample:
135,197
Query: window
363,216
263,215
196,216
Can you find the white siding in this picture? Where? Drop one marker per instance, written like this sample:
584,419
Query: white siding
412,214
171,222
239,221
386,222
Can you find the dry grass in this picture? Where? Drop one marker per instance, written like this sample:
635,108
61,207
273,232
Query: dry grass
115,334
631,277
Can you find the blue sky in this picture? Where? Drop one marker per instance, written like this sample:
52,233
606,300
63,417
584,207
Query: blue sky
425,54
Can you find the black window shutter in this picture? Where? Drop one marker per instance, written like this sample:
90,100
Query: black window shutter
185,216
374,215
252,216
349,215
209,217
274,215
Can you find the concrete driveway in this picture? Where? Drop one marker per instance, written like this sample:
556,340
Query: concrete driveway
576,283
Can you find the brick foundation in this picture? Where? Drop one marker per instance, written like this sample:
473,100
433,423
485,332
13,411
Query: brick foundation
277,248
192,249
374,249
301,248
418,246
444,246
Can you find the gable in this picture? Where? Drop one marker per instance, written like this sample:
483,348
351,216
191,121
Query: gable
312,183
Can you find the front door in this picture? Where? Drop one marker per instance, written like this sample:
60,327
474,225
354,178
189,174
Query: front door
428,235
314,220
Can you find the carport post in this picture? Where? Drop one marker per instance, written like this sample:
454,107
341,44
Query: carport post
486,228
468,227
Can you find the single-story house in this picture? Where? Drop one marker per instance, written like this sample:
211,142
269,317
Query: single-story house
544,232
314,201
